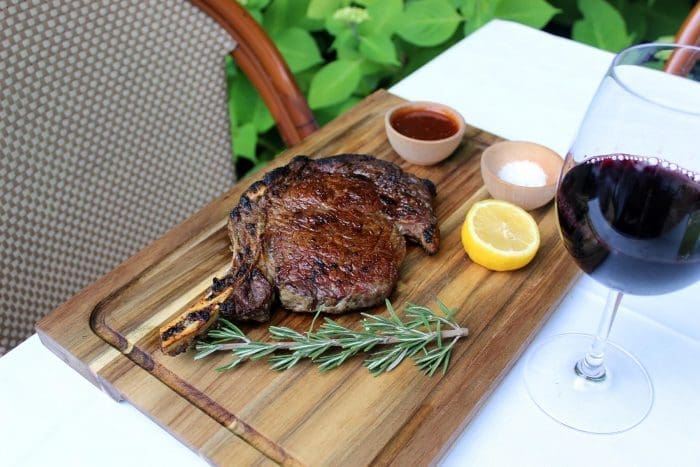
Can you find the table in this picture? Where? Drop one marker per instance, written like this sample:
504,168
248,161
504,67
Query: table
512,81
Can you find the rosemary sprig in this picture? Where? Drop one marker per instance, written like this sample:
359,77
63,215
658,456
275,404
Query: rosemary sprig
426,337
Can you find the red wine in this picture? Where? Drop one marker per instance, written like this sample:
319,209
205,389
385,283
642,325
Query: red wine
632,223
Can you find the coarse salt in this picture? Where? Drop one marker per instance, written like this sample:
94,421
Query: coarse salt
523,173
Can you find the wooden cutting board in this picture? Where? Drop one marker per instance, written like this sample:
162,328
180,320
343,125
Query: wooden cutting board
108,332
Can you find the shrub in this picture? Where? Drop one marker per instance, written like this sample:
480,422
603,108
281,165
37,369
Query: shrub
341,50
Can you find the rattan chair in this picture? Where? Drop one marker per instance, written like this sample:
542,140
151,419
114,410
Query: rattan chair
683,62
689,32
114,128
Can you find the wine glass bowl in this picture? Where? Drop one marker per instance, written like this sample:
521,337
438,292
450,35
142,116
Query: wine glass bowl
633,227
628,207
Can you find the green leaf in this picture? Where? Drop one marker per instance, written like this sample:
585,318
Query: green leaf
304,78
334,83
256,14
477,13
345,39
533,13
428,22
327,114
568,12
665,39
414,57
346,45
336,27
369,68
635,18
258,4
602,26
665,18
262,118
319,9
384,17
298,48
378,48
367,85
242,97
231,73
349,54
245,138
246,105
374,75
284,14
312,24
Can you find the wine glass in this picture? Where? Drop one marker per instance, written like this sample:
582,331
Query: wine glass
628,206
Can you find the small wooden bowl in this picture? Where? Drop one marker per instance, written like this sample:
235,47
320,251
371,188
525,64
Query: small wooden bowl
422,151
527,197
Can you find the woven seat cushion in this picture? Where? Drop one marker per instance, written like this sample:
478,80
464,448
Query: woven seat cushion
113,128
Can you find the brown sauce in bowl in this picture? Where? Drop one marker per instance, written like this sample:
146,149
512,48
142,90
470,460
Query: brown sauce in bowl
423,124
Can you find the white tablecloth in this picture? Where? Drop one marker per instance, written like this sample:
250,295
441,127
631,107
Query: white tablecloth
510,80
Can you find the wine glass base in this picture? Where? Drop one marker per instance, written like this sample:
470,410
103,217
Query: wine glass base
615,404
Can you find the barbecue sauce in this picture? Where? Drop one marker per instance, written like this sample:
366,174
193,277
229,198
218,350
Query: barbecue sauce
423,124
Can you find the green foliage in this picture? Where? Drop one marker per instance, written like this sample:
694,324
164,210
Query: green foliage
533,13
298,48
342,50
334,83
428,22
602,25
615,24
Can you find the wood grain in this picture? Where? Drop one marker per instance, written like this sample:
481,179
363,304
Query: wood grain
108,332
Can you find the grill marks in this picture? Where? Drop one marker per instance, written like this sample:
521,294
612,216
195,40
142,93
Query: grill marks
324,234
177,336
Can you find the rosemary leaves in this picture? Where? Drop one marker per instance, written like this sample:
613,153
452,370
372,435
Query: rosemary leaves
426,337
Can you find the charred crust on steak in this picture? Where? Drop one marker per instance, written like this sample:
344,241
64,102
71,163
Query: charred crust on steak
256,187
177,335
272,176
430,186
227,309
316,234
252,300
234,215
244,203
428,235
386,200
218,285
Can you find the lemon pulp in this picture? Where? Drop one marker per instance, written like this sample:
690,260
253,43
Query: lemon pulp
499,235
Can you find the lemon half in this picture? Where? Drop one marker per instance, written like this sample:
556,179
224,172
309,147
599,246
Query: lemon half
499,235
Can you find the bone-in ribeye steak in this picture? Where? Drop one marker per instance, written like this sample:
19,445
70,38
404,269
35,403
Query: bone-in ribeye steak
325,234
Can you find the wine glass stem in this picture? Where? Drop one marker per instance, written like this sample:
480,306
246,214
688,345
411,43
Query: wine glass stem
592,366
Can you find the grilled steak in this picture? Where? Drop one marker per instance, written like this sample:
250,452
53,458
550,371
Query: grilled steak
325,234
